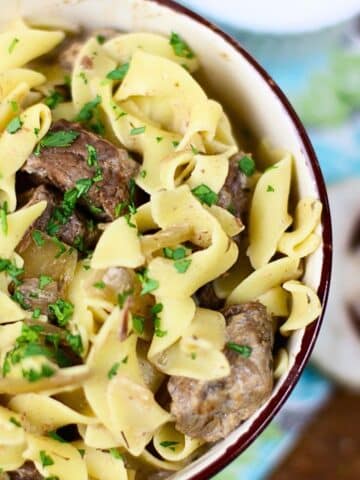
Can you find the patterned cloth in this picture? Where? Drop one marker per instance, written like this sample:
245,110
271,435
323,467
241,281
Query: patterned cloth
320,73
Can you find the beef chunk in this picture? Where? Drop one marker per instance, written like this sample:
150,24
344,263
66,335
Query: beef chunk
207,297
76,230
235,194
35,297
211,410
26,472
62,167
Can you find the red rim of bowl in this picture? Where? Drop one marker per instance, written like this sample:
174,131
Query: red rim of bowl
312,331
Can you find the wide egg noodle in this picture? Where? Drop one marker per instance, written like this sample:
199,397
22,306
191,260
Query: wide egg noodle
276,300
122,417
66,460
10,310
122,47
302,241
269,216
181,445
18,146
103,466
305,308
281,363
12,440
264,279
21,44
45,413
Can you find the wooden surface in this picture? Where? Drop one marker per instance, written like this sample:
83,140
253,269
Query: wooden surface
329,448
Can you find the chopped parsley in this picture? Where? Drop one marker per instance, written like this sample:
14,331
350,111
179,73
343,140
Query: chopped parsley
32,375
19,298
121,298
194,150
193,356
182,265
180,47
113,370
45,459
75,343
169,444
87,112
148,284
159,139
243,350
14,125
3,218
119,208
138,324
36,131
99,285
143,173
174,253
119,73
92,159
67,81
83,77
60,245
44,280
36,313
247,165
175,143
270,188
14,106
125,359
11,269
13,44
59,139
62,310
100,39
137,131
38,238
205,194
81,451
114,452
55,436
15,422
53,100
155,310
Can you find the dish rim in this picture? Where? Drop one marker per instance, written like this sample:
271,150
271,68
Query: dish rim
312,330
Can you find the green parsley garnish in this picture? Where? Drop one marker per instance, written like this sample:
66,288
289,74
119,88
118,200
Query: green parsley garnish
15,422
67,81
193,356
119,73
155,310
169,444
180,47
11,269
159,139
62,310
175,143
44,280
14,106
243,350
38,238
138,324
137,131
36,313
99,284
92,159
114,452
83,77
125,359
19,298
121,298
33,375
14,125
45,459
59,139
119,208
194,150
182,265
36,131
100,39
53,100
55,436
247,165
87,112
81,451
3,218
113,370
143,173
13,44
205,194
75,343
148,284
270,188
174,253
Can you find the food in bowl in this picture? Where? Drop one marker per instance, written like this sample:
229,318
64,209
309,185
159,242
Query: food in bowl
149,266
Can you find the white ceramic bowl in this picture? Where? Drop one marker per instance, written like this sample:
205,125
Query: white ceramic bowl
256,102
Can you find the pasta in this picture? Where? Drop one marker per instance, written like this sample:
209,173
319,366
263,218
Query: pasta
140,252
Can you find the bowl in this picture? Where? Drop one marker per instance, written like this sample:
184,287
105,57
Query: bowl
257,104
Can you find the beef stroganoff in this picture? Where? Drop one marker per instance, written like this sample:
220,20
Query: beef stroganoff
148,266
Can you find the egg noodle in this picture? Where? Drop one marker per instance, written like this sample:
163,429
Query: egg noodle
148,101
